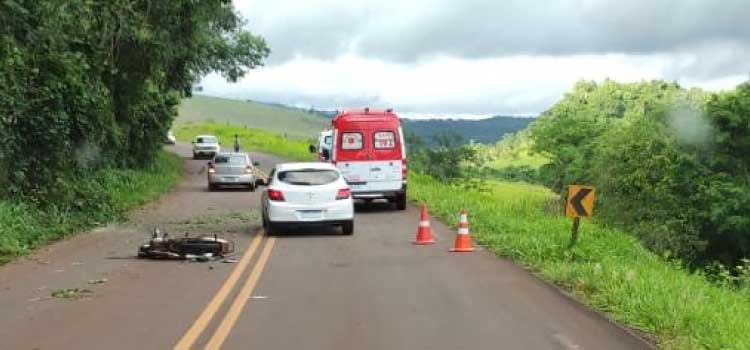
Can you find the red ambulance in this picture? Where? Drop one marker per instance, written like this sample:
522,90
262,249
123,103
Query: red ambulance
368,148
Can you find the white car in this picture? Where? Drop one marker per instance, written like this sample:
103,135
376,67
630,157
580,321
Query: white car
171,139
205,146
303,194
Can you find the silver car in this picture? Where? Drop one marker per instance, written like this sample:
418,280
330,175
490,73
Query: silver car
232,169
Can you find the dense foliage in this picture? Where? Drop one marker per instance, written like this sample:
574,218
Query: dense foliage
670,164
86,84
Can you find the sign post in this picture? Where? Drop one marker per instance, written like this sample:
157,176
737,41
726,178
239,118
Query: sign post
580,202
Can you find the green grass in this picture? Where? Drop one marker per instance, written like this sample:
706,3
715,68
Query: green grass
519,159
608,269
253,139
513,150
107,195
255,115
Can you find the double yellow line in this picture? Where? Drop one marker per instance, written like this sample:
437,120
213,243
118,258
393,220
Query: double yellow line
222,331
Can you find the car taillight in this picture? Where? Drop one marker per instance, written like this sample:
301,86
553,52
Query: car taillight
404,170
275,195
248,170
344,193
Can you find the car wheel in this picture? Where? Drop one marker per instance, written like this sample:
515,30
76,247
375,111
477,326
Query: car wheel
348,227
195,156
401,202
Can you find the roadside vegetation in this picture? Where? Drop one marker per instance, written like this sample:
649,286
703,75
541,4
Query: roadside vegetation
91,85
100,197
608,269
671,165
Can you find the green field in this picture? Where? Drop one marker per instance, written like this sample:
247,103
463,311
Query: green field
515,150
254,115
608,269
296,148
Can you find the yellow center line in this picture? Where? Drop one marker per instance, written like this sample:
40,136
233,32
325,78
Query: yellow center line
217,340
208,313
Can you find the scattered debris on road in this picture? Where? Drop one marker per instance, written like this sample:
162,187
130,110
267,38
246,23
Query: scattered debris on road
200,249
72,293
98,281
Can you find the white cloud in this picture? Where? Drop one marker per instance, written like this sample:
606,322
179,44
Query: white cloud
519,85
480,57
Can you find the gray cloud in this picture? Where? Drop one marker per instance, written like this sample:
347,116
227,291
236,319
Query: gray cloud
417,30
484,57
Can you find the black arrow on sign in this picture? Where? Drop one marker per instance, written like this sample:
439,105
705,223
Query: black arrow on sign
576,201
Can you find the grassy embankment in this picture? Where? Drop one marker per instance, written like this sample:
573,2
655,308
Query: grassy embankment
107,195
250,139
279,119
608,269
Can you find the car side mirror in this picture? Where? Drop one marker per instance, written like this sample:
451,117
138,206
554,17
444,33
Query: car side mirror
256,163
313,149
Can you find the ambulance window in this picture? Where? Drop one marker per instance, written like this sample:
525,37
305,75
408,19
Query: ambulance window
385,140
351,140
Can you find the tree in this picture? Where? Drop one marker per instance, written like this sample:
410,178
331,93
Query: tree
95,83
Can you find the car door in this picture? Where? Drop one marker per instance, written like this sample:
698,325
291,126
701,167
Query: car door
385,166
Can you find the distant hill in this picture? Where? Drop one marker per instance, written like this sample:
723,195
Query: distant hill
305,123
258,115
487,130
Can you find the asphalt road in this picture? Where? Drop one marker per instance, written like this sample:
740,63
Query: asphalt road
312,289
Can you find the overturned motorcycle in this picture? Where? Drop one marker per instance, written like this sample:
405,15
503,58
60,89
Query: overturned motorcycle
204,248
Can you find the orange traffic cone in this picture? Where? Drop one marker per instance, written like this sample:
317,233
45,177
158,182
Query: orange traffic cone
424,232
463,240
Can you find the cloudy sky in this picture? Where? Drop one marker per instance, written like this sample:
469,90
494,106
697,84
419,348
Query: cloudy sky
476,58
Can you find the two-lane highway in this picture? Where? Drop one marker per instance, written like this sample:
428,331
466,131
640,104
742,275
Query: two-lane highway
301,290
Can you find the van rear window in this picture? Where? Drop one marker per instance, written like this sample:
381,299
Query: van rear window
385,140
308,177
351,140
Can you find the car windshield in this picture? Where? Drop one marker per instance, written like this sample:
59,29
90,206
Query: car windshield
209,139
231,160
308,177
